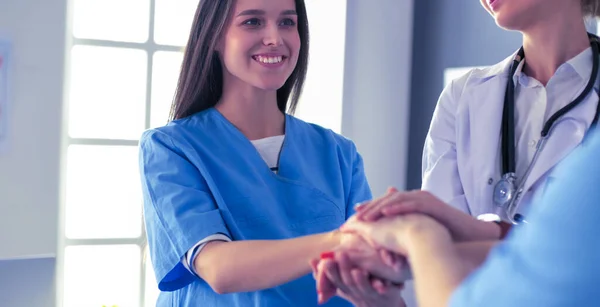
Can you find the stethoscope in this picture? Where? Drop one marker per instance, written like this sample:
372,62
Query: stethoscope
506,192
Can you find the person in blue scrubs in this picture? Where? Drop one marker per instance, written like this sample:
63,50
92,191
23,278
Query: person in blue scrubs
553,260
238,194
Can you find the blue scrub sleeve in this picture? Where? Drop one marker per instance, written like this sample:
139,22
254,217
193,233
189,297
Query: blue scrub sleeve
554,260
359,188
179,209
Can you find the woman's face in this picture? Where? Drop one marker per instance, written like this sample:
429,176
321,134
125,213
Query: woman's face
261,43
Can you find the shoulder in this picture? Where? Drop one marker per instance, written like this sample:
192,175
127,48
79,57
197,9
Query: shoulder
471,80
321,135
178,132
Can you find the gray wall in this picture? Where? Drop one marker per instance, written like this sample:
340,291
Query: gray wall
447,34
377,87
27,283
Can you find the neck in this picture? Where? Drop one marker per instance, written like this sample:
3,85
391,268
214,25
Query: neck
253,111
552,42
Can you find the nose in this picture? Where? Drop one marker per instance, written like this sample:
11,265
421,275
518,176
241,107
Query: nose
272,37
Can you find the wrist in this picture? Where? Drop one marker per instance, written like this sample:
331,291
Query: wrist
333,239
503,229
496,229
426,234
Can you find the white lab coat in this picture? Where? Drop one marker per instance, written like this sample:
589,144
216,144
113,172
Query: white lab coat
462,153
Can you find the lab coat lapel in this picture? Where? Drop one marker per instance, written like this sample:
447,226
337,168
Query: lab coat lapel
485,115
568,132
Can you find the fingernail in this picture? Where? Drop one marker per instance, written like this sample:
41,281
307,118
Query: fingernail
320,298
327,255
359,206
387,259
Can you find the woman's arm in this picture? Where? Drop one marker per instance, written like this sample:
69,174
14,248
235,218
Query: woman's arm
474,254
436,266
440,265
243,266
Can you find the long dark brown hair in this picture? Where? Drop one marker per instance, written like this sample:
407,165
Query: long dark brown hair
200,82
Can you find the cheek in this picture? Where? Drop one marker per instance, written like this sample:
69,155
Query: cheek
294,44
235,54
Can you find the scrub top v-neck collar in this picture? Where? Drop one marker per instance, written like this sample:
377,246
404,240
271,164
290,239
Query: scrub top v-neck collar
251,149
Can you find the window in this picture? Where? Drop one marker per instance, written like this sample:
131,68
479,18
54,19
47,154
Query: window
121,77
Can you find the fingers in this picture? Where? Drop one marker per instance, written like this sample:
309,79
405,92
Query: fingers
314,263
403,203
345,268
363,285
362,205
387,257
401,207
369,204
325,288
368,210
374,211
355,227
379,286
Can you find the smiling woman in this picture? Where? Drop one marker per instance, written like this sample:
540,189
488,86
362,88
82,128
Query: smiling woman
234,174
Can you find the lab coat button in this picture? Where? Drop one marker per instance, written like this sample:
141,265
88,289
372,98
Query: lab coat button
490,181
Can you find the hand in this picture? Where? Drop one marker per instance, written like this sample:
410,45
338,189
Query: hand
462,226
382,264
395,233
353,284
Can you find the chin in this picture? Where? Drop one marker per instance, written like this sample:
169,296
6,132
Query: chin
513,21
269,85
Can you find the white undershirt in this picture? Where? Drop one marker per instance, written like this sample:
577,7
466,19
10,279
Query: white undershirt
269,149
536,103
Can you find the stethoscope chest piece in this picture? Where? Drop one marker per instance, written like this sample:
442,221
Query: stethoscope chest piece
505,190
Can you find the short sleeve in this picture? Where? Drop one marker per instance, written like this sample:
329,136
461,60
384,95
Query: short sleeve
179,209
360,190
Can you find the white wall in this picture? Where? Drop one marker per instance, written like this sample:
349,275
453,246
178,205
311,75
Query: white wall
29,165
377,84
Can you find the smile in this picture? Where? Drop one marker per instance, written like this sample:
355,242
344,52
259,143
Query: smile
267,59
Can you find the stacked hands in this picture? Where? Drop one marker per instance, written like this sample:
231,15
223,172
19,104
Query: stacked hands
371,263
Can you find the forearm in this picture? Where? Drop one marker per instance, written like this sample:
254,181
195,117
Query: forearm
242,266
436,266
473,254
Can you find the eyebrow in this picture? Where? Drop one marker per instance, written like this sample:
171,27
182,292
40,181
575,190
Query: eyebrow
261,12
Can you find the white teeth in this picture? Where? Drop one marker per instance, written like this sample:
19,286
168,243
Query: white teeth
269,60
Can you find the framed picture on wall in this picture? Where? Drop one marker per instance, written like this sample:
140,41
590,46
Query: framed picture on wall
4,64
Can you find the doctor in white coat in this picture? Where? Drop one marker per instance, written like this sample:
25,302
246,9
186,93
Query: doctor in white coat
542,100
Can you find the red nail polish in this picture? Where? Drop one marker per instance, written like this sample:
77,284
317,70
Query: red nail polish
327,255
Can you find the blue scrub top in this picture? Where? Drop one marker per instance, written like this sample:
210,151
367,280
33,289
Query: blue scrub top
555,259
202,176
